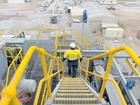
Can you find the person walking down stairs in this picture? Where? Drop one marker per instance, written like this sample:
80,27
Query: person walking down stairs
72,55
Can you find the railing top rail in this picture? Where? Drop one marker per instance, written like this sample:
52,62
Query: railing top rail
4,49
113,51
21,69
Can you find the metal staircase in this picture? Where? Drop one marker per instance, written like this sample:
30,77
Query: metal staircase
73,91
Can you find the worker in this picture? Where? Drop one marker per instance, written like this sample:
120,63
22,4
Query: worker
72,55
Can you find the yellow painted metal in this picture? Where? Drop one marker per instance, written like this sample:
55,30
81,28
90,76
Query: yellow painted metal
76,91
4,49
114,83
58,68
56,42
64,94
113,51
108,68
10,50
51,66
73,88
13,64
43,96
44,80
118,90
78,104
9,95
76,99
132,67
87,65
105,78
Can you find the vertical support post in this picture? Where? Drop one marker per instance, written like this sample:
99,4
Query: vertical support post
87,65
45,72
15,101
21,55
58,68
14,65
63,38
62,69
49,92
108,68
9,96
80,67
82,35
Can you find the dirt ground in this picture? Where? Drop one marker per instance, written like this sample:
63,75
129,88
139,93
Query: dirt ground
128,18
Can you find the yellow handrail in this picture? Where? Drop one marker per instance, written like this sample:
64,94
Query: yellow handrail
132,67
56,42
40,86
10,50
108,67
9,93
19,55
114,83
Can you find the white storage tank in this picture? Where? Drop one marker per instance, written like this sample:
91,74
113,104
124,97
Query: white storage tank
113,32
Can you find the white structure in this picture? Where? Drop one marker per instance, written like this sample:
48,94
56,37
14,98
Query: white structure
113,32
76,13
16,1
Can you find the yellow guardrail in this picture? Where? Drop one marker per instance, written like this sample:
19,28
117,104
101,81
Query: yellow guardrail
8,52
14,57
106,78
9,93
59,44
132,67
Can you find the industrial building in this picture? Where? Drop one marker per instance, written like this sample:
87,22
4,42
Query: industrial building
35,36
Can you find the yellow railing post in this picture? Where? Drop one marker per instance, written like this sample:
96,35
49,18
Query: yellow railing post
80,67
63,37
87,66
43,95
107,72
14,65
56,42
132,67
45,72
58,68
9,95
49,92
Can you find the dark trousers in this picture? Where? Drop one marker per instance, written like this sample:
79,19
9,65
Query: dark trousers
72,67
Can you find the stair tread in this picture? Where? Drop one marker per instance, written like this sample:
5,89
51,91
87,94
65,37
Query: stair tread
74,91
73,88
76,104
63,94
75,99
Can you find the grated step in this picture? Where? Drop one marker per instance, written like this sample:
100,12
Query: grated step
73,88
77,104
63,94
76,91
78,96
76,100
